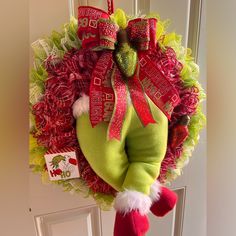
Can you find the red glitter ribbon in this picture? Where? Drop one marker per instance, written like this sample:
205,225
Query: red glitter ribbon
108,93
139,100
102,97
120,107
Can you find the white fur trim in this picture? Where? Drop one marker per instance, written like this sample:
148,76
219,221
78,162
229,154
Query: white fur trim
81,106
155,191
132,200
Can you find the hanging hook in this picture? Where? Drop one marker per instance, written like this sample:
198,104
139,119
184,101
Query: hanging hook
110,6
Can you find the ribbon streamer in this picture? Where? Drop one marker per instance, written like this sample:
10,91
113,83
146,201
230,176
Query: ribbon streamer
139,101
120,106
102,97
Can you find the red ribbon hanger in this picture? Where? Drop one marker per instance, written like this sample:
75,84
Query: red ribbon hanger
110,6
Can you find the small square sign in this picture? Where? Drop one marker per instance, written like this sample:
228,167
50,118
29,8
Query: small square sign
62,165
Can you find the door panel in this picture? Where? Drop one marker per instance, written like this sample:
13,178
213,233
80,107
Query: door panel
85,220
47,198
177,11
171,224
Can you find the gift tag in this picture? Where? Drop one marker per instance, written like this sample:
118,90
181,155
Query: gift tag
62,165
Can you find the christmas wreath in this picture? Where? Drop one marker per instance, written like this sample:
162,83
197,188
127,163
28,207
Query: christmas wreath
64,65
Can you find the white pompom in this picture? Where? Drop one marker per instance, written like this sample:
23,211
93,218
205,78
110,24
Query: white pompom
81,106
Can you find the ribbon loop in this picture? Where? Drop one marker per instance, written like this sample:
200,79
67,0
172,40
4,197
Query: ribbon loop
88,31
107,34
142,33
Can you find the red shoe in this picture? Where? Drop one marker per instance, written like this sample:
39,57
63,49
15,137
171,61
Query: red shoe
132,208
164,203
131,224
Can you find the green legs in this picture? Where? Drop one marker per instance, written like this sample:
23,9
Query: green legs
134,161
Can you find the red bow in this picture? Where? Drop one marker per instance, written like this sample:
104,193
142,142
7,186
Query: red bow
108,90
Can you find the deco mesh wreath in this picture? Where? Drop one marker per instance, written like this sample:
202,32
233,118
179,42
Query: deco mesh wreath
65,63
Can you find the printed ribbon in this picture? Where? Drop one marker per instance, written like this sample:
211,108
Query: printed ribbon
108,88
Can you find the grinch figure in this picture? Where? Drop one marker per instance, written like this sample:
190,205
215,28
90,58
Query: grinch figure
123,131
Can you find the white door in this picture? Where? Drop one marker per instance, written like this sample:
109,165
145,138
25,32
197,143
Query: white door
56,213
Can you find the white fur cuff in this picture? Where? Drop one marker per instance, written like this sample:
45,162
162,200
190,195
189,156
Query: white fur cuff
81,106
130,200
155,191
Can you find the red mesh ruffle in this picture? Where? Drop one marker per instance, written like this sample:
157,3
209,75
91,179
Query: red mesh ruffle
69,77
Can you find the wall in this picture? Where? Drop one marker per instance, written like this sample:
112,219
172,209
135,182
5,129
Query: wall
14,48
221,117
46,17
